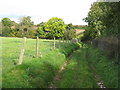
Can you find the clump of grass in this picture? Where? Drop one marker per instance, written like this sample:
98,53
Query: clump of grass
70,48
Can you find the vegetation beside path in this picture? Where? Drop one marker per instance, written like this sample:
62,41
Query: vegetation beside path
85,64
37,72
80,71
76,74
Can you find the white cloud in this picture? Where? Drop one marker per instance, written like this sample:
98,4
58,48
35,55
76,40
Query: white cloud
41,10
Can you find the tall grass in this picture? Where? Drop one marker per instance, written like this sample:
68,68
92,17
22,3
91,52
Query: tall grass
36,72
77,73
107,69
11,50
85,64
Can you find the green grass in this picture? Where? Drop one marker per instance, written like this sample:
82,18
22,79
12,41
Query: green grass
34,72
11,50
38,72
77,73
103,66
85,62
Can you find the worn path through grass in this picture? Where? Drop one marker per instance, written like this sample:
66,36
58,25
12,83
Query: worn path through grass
57,77
74,73
87,67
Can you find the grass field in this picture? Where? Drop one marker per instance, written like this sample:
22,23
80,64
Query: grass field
11,50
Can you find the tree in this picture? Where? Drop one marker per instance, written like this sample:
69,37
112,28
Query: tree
41,30
69,32
7,22
103,20
55,27
26,21
6,27
25,27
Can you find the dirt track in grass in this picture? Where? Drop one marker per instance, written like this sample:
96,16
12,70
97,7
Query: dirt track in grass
59,77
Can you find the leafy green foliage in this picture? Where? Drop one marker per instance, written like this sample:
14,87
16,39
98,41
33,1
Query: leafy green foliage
103,19
6,27
26,21
41,30
25,27
69,32
7,22
55,27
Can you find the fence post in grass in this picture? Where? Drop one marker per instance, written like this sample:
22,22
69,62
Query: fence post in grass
37,47
54,42
59,43
22,51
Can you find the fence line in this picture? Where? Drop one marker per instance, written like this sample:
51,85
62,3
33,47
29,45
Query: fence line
60,42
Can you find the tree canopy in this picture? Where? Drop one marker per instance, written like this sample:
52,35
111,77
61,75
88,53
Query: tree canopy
25,27
103,20
55,27
7,22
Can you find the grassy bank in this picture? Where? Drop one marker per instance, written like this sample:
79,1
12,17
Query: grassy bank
105,67
85,64
36,72
77,73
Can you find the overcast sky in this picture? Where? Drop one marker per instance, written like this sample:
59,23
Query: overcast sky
71,11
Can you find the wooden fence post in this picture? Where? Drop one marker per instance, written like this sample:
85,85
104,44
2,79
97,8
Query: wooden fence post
22,51
63,40
59,43
54,42
37,47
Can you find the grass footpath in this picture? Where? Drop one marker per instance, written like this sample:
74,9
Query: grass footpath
84,65
76,74
39,72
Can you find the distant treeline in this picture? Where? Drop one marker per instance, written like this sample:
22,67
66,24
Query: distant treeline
55,27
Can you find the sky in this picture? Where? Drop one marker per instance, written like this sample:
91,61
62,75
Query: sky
71,11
